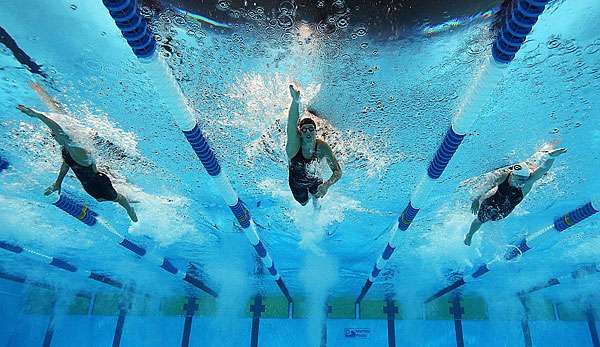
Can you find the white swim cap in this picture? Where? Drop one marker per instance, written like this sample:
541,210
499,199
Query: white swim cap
520,169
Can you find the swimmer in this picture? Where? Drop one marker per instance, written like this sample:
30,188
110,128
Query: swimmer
77,158
507,190
303,151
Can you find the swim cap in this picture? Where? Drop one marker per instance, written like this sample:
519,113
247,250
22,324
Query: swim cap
305,121
520,169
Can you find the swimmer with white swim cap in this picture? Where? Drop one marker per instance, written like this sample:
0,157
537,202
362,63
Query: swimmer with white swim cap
75,156
507,190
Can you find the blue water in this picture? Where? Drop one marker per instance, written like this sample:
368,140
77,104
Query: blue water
385,96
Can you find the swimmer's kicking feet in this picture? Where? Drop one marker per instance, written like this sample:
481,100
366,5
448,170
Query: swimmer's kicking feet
507,190
80,160
304,151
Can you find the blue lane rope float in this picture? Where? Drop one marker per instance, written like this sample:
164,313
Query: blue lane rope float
127,11
517,24
583,271
3,164
520,18
526,244
444,153
60,263
77,210
574,217
133,26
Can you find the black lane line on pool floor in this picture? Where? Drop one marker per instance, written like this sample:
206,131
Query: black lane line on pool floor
390,310
457,311
589,315
190,308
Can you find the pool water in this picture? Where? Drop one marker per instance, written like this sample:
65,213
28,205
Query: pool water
385,81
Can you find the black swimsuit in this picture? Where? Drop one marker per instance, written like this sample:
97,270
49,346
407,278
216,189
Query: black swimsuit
301,181
501,204
97,184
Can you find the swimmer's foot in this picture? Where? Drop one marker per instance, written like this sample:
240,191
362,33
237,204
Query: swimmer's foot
468,238
122,200
131,213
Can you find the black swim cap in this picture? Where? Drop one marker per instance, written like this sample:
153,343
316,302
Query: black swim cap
305,121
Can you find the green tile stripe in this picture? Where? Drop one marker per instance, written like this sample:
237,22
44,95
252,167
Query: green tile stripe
571,311
300,308
207,306
438,310
540,309
275,307
373,309
39,301
106,305
173,305
474,306
142,305
342,308
79,306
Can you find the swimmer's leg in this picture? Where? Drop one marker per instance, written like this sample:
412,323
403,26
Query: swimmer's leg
475,225
121,200
47,99
315,202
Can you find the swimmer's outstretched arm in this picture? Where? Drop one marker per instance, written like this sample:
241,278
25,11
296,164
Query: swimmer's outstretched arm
56,186
293,138
550,155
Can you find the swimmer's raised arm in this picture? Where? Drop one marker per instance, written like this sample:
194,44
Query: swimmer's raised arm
35,114
547,164
293,138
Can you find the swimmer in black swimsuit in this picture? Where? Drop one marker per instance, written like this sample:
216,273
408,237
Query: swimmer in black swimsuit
79,159
304,151
508,189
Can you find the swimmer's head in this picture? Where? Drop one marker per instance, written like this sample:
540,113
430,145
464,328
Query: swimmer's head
521,170
520,174
307,128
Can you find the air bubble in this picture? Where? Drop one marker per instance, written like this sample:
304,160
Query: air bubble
593,48
180,20
73,7
285,21
360,31
146,11
223,5
553,43
342,23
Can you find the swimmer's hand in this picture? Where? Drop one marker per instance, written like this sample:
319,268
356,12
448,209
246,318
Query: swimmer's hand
322,190
295,93
55,187
28,111
475,206
556,152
